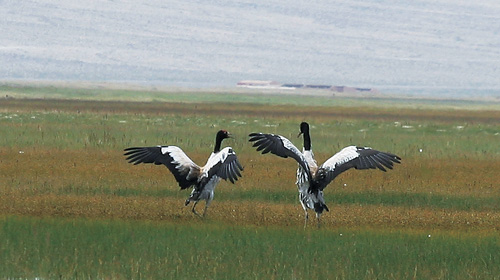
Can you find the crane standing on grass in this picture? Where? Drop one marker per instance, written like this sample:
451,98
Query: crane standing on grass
221,164
311,179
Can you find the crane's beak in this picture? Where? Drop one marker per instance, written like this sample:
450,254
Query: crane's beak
300,133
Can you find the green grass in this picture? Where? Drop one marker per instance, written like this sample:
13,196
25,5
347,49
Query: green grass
57,129
70,249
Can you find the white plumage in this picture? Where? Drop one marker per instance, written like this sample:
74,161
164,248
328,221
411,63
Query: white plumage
311,179
222,164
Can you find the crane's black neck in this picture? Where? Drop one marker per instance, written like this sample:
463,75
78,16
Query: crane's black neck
221,135
304,129
307,141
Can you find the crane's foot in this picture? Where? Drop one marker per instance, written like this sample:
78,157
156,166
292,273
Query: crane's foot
194,210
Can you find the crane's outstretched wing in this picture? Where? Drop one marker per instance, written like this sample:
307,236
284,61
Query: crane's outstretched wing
353,157
182,167
225,165
280,146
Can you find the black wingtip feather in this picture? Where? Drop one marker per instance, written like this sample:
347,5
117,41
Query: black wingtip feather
254,137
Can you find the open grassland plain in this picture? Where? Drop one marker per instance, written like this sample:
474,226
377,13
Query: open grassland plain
52,248
72,207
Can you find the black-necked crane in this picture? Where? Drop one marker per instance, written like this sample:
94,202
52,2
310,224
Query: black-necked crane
221,164
311,179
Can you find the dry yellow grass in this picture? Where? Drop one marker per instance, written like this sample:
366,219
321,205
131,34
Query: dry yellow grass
246,212
83,183
44,189
52,170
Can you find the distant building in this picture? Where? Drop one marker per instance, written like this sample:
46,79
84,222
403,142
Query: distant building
338,88
291,86
319,86
351,89
364,89
258,84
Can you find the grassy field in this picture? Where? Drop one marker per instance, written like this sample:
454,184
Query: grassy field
72,207
80,248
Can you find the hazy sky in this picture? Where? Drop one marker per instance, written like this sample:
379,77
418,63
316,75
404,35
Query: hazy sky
420,46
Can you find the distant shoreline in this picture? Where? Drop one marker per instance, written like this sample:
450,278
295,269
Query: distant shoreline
139,86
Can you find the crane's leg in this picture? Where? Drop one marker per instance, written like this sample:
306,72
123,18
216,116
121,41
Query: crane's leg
318,216
306,215
207,203
205,210
306,218
194,211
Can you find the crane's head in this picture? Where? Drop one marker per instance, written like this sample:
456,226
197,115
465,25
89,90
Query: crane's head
304,128
223,134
